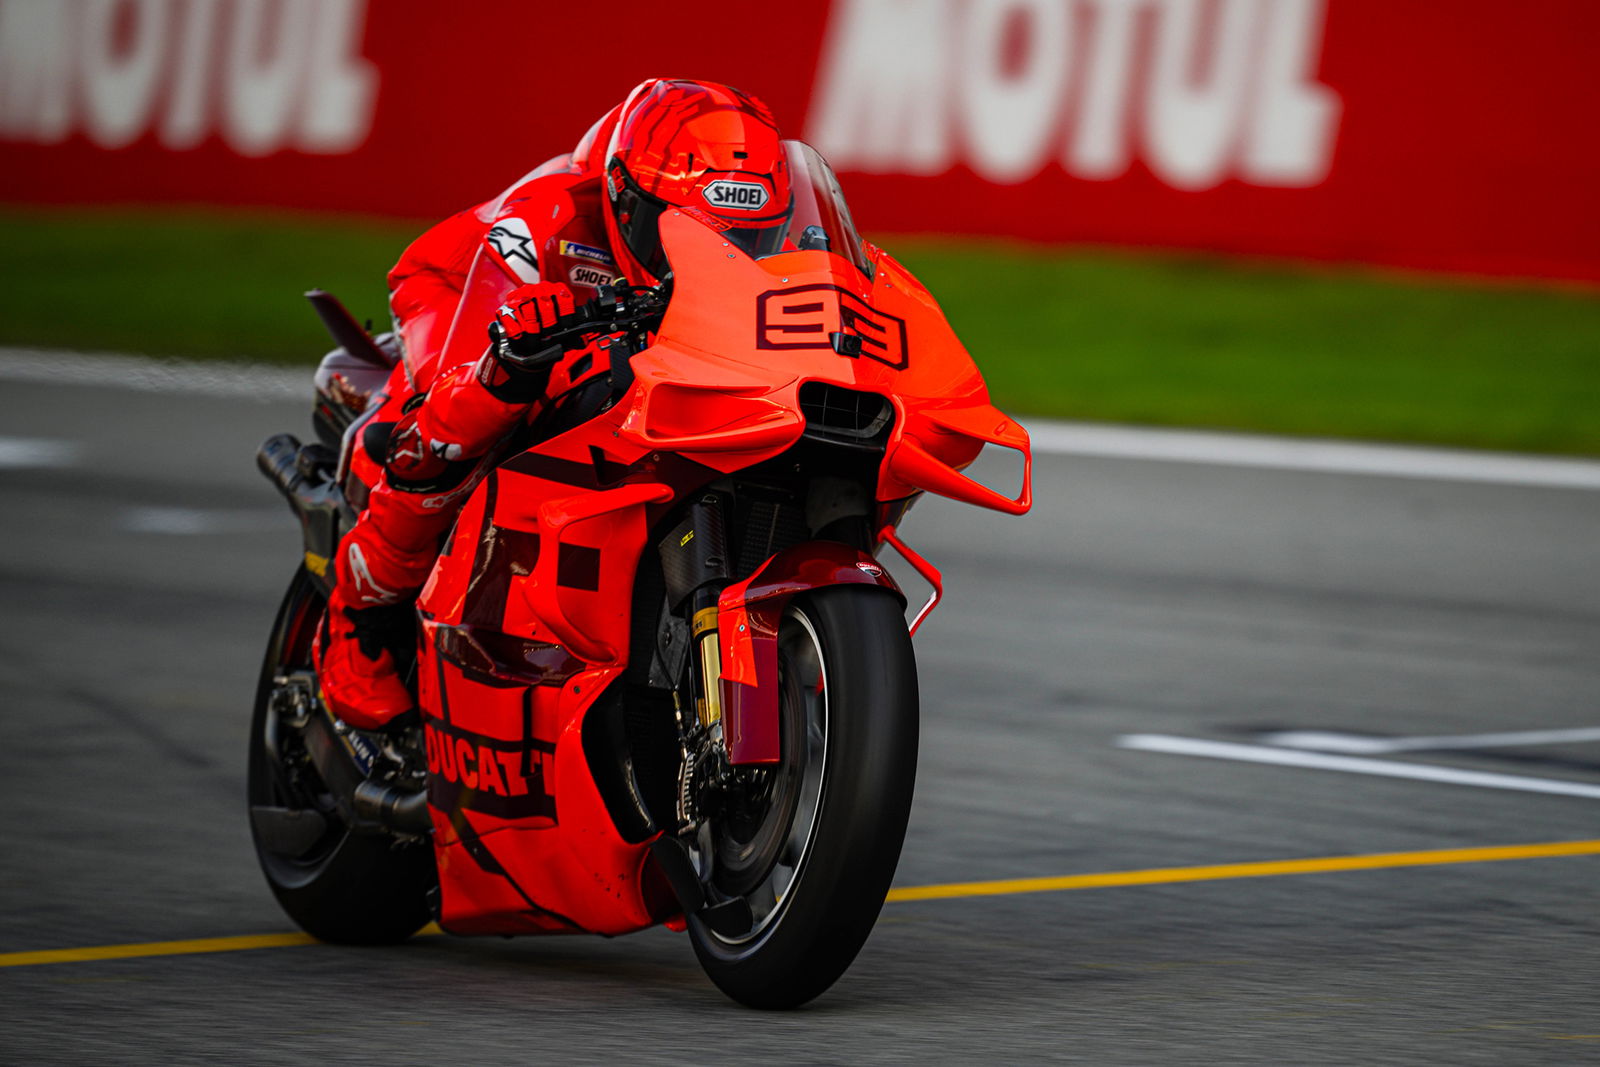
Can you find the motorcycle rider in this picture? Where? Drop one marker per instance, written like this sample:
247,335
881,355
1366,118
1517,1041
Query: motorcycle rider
521,261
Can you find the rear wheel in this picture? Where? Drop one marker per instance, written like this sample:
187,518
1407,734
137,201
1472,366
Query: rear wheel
813,844
338,886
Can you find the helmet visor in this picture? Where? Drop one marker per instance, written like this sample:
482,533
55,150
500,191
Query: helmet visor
638,216
759,241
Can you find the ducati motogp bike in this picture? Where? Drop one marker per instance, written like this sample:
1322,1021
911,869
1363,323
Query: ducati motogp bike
663,676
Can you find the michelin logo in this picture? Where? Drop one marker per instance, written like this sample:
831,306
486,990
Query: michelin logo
578,251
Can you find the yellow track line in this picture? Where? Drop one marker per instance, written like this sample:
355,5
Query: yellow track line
167,948
1005,887
1270,868
153,948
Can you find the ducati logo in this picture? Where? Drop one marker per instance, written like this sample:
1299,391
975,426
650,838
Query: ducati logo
725,193
508,779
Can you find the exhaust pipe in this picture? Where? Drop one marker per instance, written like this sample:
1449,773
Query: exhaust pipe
276,459
402,811
372,804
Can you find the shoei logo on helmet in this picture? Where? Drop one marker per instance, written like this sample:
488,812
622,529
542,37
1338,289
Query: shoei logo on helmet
740,196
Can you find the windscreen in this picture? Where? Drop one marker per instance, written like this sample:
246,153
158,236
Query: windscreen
819,219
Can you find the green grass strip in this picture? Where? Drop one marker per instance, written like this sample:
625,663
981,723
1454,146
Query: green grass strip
1278,348
1160,339
189,283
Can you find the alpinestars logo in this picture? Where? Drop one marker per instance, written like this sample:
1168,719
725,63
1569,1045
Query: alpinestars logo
740,196
512,239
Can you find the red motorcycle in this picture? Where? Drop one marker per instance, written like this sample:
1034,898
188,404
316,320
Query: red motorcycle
663,677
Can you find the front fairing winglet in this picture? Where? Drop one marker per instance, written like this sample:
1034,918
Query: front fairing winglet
911,464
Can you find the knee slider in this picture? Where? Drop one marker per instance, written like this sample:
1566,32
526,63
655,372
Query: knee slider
414,464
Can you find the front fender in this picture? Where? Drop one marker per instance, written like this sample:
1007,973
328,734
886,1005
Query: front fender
748,614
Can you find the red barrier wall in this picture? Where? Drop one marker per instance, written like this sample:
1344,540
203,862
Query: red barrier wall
1441,134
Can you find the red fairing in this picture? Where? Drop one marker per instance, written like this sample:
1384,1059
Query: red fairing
524,842
527,615
748,614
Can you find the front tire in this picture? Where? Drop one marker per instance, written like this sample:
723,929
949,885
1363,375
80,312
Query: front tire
338,886
841,797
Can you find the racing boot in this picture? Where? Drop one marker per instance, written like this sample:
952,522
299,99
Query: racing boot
369,630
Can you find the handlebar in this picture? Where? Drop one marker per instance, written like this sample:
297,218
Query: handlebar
618,309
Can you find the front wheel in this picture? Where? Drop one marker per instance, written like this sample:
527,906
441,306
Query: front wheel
814,847
337,885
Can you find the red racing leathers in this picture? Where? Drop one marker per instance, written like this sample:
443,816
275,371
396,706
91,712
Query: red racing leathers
449,402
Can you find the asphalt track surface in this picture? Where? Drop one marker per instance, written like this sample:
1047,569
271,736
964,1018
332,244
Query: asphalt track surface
1178,600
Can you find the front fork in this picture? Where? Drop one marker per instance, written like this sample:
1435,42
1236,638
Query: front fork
708,704
734,634
695,566
734,625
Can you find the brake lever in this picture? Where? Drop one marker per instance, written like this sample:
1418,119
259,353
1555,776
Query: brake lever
510,352
616,308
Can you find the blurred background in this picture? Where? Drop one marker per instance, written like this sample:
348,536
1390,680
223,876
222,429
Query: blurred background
1329,217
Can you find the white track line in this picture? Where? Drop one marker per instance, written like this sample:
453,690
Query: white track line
1422,772
260,382
147,374
187,521
1329,457
22,453
1357,744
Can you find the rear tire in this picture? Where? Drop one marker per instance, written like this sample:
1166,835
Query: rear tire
341,887
847,822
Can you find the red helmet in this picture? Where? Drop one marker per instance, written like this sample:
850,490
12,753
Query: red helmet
700,146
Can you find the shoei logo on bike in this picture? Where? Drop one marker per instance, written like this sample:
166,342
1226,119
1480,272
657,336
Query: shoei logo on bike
725,194
808,316
593,277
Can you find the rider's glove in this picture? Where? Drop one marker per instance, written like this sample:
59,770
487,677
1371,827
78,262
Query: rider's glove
517,365
532,309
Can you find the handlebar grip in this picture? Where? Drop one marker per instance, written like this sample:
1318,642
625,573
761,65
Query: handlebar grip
529,352
613,307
